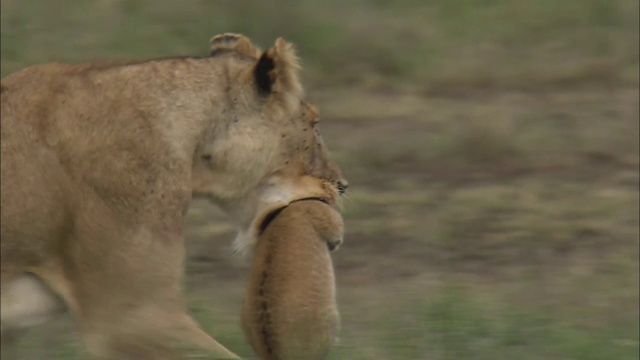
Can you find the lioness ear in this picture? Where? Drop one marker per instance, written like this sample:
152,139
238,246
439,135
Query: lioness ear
276,72
264,74
233,42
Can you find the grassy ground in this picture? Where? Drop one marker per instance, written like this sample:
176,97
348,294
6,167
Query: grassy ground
493,152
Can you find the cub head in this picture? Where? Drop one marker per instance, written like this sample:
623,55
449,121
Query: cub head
264,150
327,222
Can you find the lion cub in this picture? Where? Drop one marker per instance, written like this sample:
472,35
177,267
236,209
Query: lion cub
290,310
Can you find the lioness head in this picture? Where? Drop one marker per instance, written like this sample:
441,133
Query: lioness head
265,151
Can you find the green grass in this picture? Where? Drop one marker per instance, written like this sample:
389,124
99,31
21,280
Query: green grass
438,45
456,322
453,321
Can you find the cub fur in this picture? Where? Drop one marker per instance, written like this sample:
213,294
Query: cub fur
290,309
100,162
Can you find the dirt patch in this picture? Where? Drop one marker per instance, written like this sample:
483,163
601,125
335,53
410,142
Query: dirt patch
400,199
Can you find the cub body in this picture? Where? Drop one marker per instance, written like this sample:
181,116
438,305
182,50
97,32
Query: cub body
290,310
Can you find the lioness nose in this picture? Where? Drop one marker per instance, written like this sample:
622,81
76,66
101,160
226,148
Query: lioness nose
342,186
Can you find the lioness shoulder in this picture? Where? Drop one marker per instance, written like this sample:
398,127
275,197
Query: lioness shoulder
290,310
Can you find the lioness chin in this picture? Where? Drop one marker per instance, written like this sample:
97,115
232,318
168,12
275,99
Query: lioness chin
100,162
290,310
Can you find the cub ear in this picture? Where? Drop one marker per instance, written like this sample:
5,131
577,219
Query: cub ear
276,71
233,42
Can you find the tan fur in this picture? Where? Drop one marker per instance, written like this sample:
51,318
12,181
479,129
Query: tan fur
100,161
290,310
233,42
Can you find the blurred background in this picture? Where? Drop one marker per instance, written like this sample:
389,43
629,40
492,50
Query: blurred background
491,146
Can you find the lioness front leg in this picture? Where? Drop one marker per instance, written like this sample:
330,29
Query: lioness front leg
148,345
130,301
153,344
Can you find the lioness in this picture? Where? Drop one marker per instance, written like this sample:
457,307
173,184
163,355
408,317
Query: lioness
290,310
100,161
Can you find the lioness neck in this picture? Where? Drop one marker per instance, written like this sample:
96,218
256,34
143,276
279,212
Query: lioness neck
141,121
178,98
191,100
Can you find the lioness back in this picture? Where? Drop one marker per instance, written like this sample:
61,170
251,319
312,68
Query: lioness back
290,309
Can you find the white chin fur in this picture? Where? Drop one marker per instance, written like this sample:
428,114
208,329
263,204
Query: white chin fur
275,196
247,237
244,242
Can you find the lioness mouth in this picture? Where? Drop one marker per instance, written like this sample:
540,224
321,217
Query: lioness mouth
273,214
